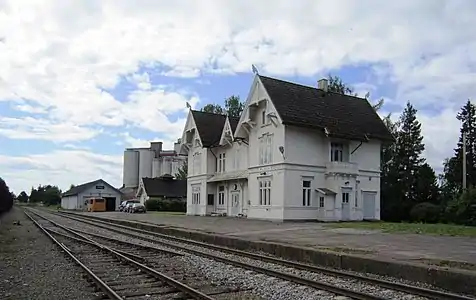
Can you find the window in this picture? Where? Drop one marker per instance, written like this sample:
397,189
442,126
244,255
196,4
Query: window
306,193
356,204
265,192
221,195
321,201
221,162
266,149
196,195
263,117
337,150
345,197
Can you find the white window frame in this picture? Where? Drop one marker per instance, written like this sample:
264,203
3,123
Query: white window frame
346,197
221,162
221,195
322,201
306,191
266,149
195,195
337,151
265,192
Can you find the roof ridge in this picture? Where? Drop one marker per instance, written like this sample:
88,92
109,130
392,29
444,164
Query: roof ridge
311,87
210,113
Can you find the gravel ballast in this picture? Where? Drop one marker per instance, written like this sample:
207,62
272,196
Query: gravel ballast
261,285
33,267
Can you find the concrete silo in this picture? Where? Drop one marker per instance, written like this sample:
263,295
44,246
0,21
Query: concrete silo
130,176
145,163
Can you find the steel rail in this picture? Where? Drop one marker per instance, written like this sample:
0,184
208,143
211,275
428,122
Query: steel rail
101,284
414,290
196,294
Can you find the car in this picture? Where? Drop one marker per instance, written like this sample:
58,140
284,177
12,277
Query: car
125,204
137,207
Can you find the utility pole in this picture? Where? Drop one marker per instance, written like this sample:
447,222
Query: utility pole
464,161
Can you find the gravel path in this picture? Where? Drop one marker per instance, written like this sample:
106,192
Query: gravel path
32,267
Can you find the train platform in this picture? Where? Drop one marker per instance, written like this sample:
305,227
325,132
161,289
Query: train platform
441,251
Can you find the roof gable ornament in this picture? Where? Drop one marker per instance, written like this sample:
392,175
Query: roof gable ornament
254,69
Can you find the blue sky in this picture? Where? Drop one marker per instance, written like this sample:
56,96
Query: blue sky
74,92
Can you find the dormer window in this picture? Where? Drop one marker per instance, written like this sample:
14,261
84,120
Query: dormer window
339,151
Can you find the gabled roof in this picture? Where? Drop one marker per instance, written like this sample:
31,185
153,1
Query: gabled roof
209,126
233,123
85,186
343,116
165,187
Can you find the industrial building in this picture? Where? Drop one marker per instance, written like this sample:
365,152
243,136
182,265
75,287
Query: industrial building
149,162
76,197
296,153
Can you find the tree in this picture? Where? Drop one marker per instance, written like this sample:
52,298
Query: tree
453,167
182,173
48,195
23,197
213,108
336,85
233,106
427,189
6,199
72,186
403,168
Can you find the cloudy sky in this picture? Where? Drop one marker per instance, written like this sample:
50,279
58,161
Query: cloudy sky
81,80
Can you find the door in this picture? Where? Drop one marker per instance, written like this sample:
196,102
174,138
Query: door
235,208
369,199
110,203
345,204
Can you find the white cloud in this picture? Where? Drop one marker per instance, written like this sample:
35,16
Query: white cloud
64,56
61,167
29,128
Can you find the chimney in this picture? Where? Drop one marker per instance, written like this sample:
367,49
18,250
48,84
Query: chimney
322,84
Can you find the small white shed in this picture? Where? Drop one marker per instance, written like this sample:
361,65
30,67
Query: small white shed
76,197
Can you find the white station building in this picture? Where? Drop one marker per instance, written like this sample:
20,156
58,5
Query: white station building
296,153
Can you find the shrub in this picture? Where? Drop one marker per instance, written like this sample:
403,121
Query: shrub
425,212
462,209
166,205
6,198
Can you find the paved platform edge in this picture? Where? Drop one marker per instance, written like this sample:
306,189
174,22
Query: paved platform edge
455,280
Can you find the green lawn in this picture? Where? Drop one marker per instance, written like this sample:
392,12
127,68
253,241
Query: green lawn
430,229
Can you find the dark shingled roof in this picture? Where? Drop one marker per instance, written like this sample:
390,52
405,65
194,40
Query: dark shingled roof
344,116
165,187
234,123
209,126
83,187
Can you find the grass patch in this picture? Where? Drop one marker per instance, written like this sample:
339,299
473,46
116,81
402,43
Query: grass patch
416,228
167,213
448,263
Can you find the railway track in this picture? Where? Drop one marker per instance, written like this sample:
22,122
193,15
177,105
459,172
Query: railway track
193,247
129,271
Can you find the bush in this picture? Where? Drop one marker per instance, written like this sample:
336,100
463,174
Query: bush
462,209
6,198
425,212
166,205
